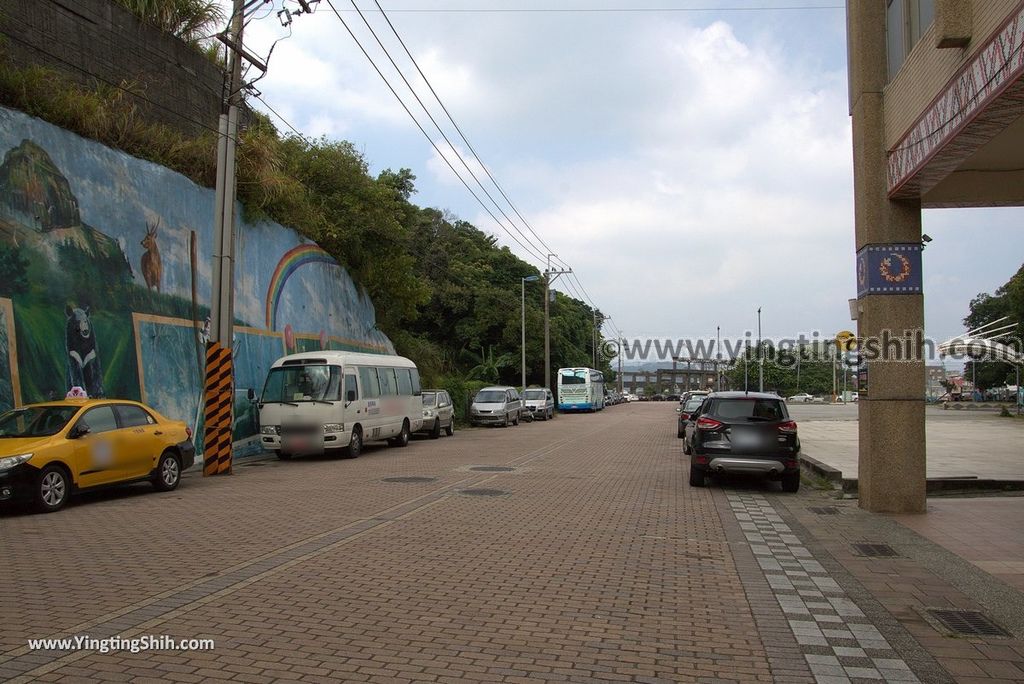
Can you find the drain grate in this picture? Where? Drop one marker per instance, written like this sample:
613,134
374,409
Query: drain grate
493,469
967,622
483,492
410,479
875,550
824,510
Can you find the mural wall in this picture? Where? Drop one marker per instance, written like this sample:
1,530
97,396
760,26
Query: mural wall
96,280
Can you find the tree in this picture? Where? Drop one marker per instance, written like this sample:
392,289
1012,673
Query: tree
13,271
1008,301
489,367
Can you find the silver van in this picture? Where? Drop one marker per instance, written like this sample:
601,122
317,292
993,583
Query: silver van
540,403
496,406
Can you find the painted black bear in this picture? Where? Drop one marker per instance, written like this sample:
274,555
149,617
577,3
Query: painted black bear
83,356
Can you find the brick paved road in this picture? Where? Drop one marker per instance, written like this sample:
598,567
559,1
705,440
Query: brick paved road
592,560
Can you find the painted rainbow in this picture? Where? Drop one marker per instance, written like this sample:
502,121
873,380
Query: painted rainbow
293,260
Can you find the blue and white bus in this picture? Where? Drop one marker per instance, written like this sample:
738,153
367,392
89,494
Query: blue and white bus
580,389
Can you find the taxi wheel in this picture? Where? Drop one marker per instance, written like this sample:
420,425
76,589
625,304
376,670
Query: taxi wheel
168,473
53,487
435,432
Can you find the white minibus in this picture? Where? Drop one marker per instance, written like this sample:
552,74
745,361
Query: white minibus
335,401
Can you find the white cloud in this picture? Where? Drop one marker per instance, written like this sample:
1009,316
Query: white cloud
689,168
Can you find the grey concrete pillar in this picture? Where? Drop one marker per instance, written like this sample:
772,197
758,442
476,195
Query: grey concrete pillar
891,473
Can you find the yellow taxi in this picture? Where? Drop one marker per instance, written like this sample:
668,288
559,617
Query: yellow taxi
50,450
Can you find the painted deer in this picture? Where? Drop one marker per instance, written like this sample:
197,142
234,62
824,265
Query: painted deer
152,269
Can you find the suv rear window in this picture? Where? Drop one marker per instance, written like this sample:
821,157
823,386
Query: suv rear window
757,409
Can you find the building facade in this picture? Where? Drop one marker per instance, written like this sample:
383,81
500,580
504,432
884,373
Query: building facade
936,98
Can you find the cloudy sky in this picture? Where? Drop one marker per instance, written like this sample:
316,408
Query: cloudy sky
690,166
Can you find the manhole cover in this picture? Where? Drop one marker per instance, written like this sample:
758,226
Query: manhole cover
483,492
410,479
967,622
492,469
824,510
875,550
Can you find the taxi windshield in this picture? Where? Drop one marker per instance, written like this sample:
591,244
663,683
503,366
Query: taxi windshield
36,421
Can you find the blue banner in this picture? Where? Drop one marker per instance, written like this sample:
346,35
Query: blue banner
889,269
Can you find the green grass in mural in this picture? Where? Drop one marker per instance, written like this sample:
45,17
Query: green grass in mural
41,325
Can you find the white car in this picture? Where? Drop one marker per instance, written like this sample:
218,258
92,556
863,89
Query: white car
801,398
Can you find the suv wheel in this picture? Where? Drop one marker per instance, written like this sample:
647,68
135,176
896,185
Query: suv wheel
696,477
435,432
791,482
450,430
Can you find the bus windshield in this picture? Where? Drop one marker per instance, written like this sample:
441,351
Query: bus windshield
314,382
574,377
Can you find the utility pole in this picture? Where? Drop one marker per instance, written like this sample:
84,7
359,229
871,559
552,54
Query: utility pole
549,278
219,384
621,347
718,357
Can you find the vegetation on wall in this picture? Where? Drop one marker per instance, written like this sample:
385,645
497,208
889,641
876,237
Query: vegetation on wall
193,21
444,291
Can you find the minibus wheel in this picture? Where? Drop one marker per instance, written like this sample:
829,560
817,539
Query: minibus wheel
355,444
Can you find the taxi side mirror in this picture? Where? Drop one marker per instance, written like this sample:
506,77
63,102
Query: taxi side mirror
78,431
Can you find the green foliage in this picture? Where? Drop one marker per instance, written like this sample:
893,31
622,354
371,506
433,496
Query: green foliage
782,374
13,271
193,21
1008,300
440,285
108,115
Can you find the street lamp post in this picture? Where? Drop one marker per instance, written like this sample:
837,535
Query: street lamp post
523,281
760,355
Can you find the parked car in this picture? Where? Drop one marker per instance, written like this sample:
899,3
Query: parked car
496,406
686,409
438,413
540,403
672,397
693,393
51,450
801,398
745,433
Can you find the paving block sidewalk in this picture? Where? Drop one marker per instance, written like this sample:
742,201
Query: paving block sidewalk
585,557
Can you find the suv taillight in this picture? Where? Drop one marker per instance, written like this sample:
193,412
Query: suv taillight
708,424
788,427
684,416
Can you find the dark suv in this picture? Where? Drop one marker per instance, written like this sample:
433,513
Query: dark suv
744,432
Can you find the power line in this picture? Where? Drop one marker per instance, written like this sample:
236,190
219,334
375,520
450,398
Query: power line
420,126
457,128
111,83
281,118
437,126
610,10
